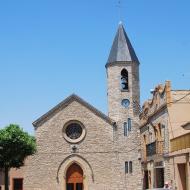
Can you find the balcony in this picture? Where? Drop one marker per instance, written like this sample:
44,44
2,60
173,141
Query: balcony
154,148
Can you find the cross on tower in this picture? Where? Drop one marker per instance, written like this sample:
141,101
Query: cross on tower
119,9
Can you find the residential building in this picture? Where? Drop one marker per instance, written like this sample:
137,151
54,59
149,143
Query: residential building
165,144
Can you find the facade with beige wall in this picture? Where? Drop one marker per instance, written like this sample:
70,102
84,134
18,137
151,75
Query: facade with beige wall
164,143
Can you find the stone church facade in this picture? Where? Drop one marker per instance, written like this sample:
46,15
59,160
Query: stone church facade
79,147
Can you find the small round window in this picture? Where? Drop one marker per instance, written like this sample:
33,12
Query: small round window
74,131
125,103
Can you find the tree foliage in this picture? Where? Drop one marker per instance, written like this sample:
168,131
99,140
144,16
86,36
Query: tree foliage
15,146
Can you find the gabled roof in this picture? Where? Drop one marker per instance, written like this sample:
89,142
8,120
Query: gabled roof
64,104
122,50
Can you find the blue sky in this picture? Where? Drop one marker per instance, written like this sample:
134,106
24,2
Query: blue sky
52,48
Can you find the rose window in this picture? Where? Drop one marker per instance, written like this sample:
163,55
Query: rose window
73,131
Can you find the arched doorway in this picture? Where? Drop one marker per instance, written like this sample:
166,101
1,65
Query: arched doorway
74,177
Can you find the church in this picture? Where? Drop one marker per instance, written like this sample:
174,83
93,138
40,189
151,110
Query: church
81,148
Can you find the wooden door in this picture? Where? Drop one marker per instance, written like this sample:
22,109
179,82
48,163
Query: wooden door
17,184
145,182
74,178
159,177
182,177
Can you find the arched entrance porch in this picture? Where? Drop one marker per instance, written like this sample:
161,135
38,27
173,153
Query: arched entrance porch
88,174
74,177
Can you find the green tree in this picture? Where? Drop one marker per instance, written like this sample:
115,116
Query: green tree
15,146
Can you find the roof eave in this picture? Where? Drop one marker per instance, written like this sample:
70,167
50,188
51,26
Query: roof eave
120,63
65,103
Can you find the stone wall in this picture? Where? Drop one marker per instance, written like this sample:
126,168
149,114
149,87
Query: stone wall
128,147
103,165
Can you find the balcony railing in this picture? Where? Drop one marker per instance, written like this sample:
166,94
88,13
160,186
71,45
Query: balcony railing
181,142
153,148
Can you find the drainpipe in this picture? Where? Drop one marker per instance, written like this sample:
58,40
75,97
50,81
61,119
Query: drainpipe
187,171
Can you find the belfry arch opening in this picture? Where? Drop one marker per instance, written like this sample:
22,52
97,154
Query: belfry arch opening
124,80
74,177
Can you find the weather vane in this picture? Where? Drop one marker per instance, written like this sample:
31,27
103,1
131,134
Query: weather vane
119,9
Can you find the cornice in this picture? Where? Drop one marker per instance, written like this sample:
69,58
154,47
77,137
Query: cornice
164,106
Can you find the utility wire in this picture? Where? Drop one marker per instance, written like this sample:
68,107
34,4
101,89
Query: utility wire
180,99
94,152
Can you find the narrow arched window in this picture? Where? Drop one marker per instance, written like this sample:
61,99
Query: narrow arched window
126,167
129,124
124,80
125,129
130,167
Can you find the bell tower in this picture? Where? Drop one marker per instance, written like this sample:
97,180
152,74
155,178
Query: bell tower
123,79
123,105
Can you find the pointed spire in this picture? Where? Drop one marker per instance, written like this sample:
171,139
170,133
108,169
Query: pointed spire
122,50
